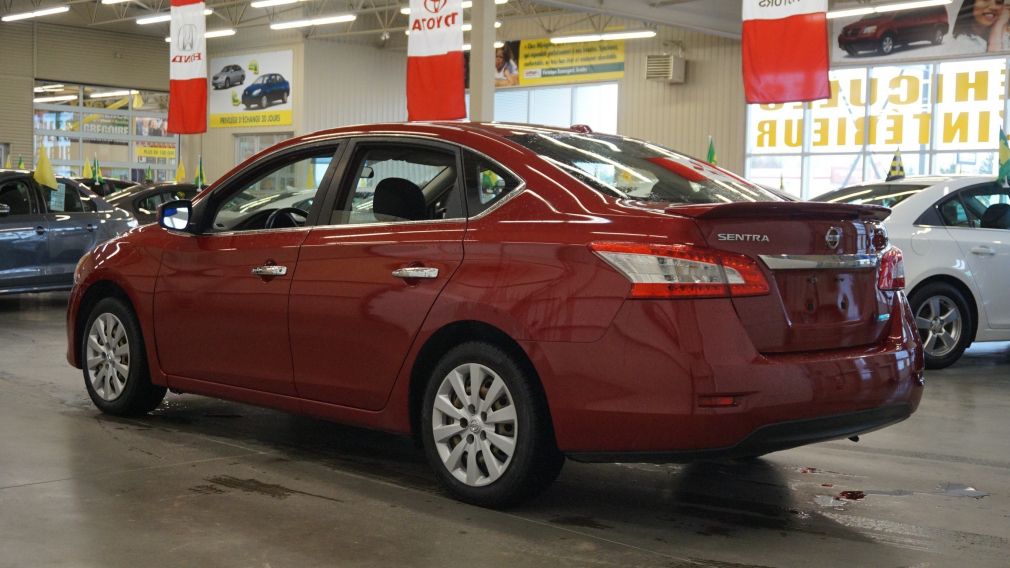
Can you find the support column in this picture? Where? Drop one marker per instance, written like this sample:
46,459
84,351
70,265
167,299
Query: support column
482,38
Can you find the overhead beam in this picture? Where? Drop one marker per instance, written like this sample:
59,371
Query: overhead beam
634,10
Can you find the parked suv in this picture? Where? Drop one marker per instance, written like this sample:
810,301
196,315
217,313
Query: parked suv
881,33
265,90
228,76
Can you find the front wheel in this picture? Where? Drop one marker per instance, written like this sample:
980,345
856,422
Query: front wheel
264,101
886,45
486,428
115,363
944,321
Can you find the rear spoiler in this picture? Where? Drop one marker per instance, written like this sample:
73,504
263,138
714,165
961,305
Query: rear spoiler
781,210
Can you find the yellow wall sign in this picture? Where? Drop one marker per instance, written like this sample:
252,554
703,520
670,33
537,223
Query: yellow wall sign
251,118
544,63
166,152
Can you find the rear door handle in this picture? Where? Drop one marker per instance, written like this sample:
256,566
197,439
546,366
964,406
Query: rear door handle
270,271
983,251
416,272
40,230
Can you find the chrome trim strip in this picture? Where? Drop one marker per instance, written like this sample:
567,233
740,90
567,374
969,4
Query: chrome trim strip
820,261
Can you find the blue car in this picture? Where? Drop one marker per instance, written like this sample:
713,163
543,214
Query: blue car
267,89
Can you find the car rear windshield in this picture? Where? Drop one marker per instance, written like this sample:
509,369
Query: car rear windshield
884,194
632,169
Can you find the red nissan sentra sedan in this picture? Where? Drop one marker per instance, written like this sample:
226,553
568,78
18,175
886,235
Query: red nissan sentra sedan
510,295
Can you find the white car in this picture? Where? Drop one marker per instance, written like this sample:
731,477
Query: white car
954,232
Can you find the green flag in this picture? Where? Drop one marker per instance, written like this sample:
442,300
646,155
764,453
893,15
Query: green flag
712,158
149,174
200,180
21,162
96,172
1004,158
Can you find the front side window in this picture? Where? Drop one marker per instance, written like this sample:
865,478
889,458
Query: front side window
400,182
633,169
279,198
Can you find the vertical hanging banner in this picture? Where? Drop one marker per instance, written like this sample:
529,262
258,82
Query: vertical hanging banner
187,95
794,71
435,71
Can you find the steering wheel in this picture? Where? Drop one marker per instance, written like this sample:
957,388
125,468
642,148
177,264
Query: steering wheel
285,217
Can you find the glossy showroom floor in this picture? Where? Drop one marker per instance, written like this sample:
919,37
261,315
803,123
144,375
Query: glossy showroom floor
210,483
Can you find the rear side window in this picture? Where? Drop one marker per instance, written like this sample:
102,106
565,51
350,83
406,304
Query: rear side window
954,214
63,199
17,196
486,183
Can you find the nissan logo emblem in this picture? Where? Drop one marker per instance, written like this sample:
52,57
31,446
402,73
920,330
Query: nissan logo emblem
833,237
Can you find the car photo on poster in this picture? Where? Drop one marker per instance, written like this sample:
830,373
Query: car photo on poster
883,33
228,76
266,90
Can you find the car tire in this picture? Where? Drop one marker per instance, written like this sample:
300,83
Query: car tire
945,323
264,101
227,83
284,98
114,361
938,34
849,50
887,45
471,438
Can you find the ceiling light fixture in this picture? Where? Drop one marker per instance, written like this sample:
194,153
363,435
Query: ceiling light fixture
212,34
269,3
45,88
886,8
114,1
314,22
55,99
637,34
164,18
108,94
35,14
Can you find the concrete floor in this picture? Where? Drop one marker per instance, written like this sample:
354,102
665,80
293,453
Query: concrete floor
204,482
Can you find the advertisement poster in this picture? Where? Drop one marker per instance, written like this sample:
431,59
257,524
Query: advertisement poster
252,89
536,62
961,28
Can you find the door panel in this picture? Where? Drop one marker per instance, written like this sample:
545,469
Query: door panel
73,231
23,237
987,252
217,321
352,321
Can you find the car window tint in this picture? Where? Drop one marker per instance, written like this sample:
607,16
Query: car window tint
17,196
486,183
150,204
400,183
291,183
88,204
955,215
63,199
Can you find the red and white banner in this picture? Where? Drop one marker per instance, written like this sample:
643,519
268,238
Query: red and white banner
187,94
785,50
435,89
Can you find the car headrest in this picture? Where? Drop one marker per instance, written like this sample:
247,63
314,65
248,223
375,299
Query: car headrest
399,198
996,216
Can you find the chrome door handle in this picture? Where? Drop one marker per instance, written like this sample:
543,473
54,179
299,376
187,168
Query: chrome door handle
983,251
40,230
414,272
270,270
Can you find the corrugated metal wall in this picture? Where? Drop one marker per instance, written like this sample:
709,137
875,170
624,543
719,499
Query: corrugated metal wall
709,103
16,80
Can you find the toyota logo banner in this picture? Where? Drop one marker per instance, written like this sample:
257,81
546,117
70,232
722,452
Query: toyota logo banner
187,96
785,51
435,88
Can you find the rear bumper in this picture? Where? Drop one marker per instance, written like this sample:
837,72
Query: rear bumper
640,389
770,438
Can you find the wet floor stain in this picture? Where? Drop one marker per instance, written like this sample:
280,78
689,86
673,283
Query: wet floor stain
268,489
206,489
580,521
961,490
715,530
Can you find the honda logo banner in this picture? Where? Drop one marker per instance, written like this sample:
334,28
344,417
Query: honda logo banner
785,51
187,96
435,70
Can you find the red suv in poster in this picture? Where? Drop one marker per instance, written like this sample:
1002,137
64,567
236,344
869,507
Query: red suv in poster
882,33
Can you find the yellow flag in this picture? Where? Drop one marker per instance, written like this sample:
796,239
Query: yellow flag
87,173
7,162
44,170
180,172
310,176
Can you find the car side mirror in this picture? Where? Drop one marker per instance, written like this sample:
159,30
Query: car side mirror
176,215
4,209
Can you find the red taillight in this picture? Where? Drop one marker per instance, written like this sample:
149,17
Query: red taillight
891,275
878,238
683,271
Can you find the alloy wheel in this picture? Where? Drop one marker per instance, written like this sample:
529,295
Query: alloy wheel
887,45
108,356
474,424
940,325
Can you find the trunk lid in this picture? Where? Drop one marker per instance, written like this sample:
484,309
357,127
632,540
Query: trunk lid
821,264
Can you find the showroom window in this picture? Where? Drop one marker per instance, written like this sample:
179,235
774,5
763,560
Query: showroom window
944,118
595,105
125,129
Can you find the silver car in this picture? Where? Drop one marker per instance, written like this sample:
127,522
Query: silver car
45,231
229,75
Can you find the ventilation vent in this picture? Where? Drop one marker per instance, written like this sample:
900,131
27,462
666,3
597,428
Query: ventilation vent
665,67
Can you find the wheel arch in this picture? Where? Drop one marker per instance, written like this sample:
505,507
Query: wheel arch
96,293
958,284
449,336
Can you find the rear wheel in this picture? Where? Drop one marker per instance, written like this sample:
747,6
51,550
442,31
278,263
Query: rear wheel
486,428
115,362
938,36
944,321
